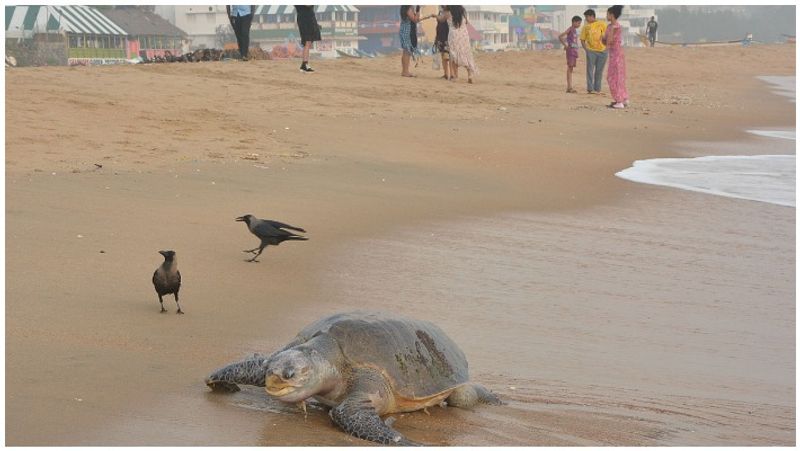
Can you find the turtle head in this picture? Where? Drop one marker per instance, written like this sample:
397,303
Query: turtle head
299,373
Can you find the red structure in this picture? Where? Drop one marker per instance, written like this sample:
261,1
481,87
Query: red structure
381,26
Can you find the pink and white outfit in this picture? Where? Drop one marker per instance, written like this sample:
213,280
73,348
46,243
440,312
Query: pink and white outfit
616,66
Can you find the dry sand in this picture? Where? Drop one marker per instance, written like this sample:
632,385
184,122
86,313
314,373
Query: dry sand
656,317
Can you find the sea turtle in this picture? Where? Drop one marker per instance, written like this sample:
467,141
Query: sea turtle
363,365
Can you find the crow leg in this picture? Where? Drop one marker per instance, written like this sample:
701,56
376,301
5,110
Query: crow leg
252,251
260,250
179,304
161,300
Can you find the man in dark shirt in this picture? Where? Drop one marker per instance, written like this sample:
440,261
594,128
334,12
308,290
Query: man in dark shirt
652,26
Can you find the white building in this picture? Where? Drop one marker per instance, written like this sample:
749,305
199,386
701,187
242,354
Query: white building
200,22
562,18
633,21
492,23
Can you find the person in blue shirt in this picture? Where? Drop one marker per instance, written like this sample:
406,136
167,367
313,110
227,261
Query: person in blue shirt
241,16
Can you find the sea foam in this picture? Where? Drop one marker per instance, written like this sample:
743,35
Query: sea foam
764,178
780,134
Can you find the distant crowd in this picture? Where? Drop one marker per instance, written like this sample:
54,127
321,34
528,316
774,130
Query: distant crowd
601,41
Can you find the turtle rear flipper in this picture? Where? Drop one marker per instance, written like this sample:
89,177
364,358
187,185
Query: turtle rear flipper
358,413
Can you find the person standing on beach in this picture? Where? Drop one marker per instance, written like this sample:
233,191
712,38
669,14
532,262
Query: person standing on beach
458,43
309,32
652,27
441,40
569,39
596,55
616,58
409,17
241,16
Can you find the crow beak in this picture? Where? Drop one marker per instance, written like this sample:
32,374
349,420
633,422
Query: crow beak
240,218
164,253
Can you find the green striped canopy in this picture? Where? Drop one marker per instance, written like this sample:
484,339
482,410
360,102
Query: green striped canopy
272,10
23,21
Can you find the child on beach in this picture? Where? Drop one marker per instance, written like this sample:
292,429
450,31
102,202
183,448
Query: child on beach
569,39
616,58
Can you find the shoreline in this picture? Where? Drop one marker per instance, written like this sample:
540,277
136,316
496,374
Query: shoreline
348,188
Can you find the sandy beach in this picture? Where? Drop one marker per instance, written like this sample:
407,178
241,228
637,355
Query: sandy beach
605,312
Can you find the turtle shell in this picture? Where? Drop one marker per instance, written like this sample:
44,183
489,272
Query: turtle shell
418,357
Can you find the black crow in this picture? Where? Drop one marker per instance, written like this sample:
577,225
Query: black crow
167,279
269,232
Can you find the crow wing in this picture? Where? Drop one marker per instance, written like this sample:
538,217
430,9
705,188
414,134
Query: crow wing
266,230
280,225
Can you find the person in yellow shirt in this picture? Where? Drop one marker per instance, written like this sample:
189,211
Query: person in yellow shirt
591,40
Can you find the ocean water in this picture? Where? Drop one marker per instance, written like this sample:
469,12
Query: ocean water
763,178
780,134
781,85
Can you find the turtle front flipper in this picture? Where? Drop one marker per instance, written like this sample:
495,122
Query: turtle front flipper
358,415
471,394
250,371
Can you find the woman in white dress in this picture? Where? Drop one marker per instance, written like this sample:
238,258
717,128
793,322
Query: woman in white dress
458,42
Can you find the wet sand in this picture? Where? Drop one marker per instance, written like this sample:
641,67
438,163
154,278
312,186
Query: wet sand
623,314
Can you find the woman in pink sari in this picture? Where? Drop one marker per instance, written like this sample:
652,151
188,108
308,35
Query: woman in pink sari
616,58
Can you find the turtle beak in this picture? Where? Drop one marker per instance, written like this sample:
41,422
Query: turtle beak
278,386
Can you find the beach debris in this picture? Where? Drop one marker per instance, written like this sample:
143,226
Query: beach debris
502,108
98,165
676,100
80,236
102,251
78,399
512,388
